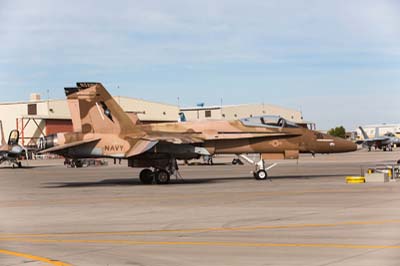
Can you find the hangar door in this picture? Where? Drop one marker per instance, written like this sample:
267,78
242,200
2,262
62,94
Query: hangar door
57,126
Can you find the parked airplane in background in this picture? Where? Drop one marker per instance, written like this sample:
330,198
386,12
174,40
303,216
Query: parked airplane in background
385,142
10,151
103,129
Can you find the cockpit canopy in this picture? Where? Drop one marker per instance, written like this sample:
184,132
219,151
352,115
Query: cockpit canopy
14,138
269,121
390,135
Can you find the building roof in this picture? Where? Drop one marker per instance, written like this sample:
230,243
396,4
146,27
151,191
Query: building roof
382,125
216,107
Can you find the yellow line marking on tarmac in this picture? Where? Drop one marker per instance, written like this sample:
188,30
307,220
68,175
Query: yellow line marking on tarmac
33,257
207,243
203,230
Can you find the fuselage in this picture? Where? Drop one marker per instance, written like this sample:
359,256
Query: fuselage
217,137
10,152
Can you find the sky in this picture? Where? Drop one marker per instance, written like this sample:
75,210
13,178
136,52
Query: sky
336,61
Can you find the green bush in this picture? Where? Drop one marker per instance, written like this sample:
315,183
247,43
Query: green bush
338,132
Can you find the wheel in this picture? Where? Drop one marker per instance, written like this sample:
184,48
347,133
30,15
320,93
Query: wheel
76,164
162,177
261,175
19,165
237,162
146,176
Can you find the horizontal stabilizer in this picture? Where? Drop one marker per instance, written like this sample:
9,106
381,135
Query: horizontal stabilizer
202,151
57,149
141,147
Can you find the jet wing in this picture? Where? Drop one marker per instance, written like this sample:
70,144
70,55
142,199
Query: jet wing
68,146
147,142
193,138
377,141
175,138
250,135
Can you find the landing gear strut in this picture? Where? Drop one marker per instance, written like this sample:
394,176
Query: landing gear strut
260,171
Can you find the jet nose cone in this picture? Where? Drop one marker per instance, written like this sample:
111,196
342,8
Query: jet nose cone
345,145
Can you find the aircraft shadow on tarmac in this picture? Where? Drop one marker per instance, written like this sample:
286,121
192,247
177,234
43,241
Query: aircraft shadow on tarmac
136,182
22,168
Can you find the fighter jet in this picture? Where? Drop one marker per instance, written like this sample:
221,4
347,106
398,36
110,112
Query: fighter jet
104,130
385,142
10,151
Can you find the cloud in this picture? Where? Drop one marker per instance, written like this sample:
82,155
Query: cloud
152,32
290,48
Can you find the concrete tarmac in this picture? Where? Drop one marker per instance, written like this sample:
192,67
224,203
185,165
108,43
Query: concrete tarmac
216,215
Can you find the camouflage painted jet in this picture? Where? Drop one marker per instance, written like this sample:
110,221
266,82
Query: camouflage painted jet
103,130
10,151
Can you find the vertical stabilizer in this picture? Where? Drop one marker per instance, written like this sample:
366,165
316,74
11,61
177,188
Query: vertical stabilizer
3,140
363,133
377,133
94,110
73,105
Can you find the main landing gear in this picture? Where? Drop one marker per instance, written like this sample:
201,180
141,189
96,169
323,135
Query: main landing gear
260,170
388,148
160,176
16,165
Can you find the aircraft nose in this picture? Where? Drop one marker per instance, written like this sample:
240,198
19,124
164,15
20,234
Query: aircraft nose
16,149
342,145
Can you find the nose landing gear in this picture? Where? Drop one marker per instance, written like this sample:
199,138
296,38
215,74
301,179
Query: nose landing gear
260,170
261,175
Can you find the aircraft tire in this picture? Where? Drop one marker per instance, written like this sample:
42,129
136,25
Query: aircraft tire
78,164
261,175
19,165
162,177
146,177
